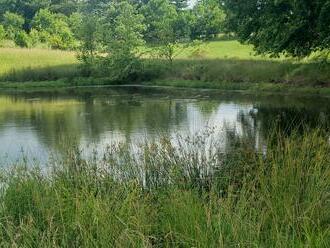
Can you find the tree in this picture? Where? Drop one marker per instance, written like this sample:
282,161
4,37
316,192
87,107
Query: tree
90,36
13,24
292,27
123,34
27,8
166,28
209,19
13,21
66,7
75,21
54,29
111,35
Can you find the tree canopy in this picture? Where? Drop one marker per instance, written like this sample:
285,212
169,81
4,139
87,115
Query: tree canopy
275,27
293,27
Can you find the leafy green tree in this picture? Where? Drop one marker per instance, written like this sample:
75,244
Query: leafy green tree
13,23
59,35
27,8
66,7
89,35
163,30
293,27
209,19
123,29
75,22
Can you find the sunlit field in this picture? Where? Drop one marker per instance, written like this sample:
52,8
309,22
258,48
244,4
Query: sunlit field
206,65
220,50
19,58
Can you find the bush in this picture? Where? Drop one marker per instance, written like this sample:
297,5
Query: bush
2,33
22,39
13,23
34,37
54,30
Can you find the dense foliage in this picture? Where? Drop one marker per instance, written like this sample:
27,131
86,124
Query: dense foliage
113,34
295,27
202,20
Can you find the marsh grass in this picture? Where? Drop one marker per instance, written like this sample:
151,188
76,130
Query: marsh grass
162,197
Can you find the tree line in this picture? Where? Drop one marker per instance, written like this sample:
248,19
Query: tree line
58,23
118,32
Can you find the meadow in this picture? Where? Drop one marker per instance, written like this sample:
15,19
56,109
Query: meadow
169,195
224,64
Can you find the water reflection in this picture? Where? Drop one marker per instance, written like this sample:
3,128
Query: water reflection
39,123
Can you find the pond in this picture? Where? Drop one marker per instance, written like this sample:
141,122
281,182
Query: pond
39,124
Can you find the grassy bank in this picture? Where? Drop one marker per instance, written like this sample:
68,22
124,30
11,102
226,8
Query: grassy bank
169,196
225,65
249,88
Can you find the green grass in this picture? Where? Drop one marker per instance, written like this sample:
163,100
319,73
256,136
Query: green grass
218,64
20,65
19,58
221,50
183,198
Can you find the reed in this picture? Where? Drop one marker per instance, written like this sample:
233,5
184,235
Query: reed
186,193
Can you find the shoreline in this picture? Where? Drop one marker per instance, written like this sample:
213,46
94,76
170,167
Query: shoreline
249,88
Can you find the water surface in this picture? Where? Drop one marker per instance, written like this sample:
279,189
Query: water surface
39,124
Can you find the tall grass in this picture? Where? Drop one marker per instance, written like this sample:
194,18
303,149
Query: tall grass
20,65
173,195
217,71
211,66
20,58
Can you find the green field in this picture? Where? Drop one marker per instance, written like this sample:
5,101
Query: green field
19,58
217,64
220,50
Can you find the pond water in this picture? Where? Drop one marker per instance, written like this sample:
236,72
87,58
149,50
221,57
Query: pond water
39,124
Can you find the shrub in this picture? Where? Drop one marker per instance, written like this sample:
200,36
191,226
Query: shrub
22,39
54,30
34,37
13,23
2,33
